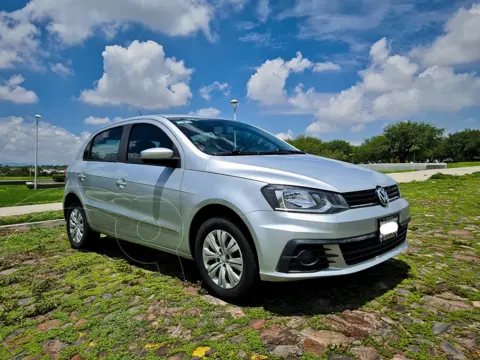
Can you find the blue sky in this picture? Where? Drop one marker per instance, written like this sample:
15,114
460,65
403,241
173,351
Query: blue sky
328,69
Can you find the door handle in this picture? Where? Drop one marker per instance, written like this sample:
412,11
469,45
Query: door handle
121,183
82,176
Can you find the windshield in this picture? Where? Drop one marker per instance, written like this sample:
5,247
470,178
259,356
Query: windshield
224,137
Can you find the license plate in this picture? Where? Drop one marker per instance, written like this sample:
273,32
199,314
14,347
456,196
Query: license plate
388,227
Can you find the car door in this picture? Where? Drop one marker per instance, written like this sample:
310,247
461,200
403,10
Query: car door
150,206
99,179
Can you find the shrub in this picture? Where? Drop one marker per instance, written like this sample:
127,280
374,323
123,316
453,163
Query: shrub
58,177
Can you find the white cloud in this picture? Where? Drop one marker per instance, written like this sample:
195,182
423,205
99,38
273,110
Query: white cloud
74,21
259,39
263,10
326,66
319,128
216,85
387,73
56,145
207,112
459,45
267,84
93,120
436,89
307,102
12,91
62,69
140,75
357,128
286,135
346,107
245,25
392,87
354,21
18,41
327,20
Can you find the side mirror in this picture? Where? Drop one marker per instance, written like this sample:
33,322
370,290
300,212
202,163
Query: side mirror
156,154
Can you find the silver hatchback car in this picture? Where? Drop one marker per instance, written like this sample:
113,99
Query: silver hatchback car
239,201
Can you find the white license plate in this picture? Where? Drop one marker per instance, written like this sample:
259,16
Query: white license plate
388,227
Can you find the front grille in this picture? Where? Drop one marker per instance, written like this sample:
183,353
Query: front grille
360,251
369,197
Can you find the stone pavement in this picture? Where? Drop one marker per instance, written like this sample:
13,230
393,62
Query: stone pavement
423,175
29,209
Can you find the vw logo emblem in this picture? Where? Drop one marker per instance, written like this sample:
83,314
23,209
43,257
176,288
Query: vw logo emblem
382,196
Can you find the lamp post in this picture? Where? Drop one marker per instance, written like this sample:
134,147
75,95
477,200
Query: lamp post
234,103
37,118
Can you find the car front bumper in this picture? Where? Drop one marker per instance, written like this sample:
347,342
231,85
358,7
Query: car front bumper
274,230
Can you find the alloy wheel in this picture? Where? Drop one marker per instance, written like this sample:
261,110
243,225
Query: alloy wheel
222,259
76,226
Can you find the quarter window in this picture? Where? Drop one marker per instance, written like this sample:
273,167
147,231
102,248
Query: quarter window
146,136
106,145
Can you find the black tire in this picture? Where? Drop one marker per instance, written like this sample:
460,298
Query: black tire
249,274
88,235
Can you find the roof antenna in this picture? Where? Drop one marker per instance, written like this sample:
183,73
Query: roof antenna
140,112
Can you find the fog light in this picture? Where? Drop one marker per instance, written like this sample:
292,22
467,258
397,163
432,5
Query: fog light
307,258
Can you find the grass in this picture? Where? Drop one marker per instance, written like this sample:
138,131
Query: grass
102,303
25,178
463,164
396,171
28,218
16,195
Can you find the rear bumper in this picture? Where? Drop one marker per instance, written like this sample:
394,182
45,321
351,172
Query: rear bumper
273,231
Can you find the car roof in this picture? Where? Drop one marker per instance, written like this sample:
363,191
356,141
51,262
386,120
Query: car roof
168,117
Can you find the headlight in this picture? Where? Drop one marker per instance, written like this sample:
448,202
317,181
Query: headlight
286,198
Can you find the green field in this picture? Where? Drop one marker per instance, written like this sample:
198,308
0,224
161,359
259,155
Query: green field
463,164
29,218
26,178
17,195
101,303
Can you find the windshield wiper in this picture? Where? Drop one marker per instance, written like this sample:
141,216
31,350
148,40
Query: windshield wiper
274,152
237,152
282,152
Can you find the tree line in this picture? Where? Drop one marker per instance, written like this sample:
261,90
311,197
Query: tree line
406,141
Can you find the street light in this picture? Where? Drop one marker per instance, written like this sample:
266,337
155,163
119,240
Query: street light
37,118
234,104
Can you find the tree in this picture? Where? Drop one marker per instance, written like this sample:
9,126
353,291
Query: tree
309,144
410,139
335,149
463,145
375,149
341,149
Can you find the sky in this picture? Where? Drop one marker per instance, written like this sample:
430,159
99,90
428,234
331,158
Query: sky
330,69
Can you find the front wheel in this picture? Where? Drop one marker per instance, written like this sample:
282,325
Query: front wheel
78,231
225,259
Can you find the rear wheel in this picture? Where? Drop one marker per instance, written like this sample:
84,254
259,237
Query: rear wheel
225,259
78,230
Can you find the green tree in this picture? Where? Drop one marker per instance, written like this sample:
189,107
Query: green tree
309,144
339,149
375,149
463,145
410,139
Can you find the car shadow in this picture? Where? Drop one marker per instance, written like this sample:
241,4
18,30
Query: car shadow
331,294
147,258
307,297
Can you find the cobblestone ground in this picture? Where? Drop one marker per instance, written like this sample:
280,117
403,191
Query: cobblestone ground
425,304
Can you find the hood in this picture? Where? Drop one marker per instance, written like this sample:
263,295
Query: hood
300,170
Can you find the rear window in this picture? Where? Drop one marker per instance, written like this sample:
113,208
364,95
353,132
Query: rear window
106,145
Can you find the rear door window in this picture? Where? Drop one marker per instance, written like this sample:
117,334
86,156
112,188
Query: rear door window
106,145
